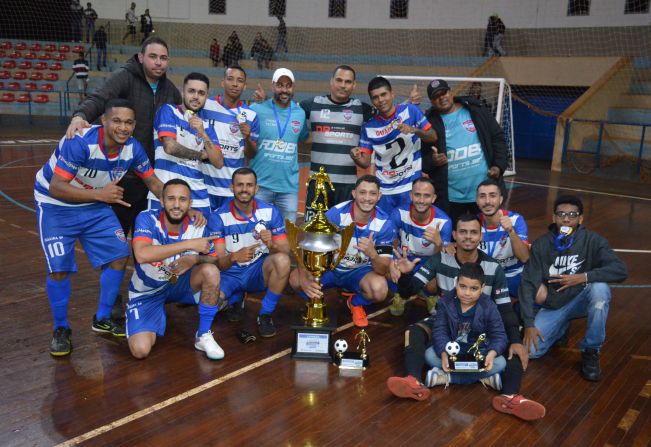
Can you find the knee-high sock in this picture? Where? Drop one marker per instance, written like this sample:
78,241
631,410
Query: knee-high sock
109,286
206,316
269,302
359,300
58,292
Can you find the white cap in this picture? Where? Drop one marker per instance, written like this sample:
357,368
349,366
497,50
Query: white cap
282,72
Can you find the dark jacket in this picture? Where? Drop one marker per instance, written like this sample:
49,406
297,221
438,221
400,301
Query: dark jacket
590,253
129,82
491,138
487,321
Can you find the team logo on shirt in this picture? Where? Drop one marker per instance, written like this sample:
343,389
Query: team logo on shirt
296,126
469,125
118,172
120,235
234,127
348,114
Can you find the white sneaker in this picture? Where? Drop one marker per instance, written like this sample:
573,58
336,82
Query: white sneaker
207,344
436,376
494,381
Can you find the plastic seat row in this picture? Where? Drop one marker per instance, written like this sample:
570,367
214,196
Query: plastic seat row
40,98
36,46
35,76
28,86
26,65
42,56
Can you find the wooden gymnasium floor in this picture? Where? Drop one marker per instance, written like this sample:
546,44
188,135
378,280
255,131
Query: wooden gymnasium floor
259,395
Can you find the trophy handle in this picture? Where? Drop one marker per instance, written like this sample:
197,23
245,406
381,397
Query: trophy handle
346,237
292,236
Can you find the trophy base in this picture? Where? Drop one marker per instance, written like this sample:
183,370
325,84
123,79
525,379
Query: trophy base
313,342
352,360
470,365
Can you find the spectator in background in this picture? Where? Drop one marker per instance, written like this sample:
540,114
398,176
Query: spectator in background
233,50
261,51
146,25
131,21
494,33
81,69
76,15
90,15
214,52
100,39
281,42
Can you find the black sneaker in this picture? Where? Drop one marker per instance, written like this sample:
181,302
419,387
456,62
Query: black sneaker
235,312
590,369
117,311
61,343
266,326
107,326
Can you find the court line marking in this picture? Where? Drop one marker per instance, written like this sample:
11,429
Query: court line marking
193,391
591,191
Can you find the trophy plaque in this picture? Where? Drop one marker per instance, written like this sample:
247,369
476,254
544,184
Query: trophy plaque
470,361
353,360
318,247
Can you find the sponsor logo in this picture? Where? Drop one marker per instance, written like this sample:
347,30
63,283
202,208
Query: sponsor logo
383,131
328,131
120,235
566,265
53,238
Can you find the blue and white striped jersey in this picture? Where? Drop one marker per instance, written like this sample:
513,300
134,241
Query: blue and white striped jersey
496,243
411,232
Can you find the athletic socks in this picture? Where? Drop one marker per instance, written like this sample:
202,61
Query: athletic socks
359,300
206,316
58,292
269,302
109,287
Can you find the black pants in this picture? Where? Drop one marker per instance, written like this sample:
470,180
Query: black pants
419,340
135,193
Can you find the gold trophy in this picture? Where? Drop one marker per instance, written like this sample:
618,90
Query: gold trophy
320,248
471,361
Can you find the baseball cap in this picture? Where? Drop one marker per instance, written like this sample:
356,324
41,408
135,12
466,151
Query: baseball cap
282,72
436,86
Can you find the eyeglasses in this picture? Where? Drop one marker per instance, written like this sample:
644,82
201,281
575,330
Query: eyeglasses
570,214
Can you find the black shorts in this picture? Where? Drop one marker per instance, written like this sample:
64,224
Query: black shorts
132,29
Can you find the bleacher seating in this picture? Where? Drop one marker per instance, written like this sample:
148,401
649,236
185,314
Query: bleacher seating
9,64
6,45
15,54
20,46
40,66
64,48
25,65
4,74
36,76
47,87
42,98
29,55
51,77
20,75
31,86
24,97
14,85
56,66
35,46
45,56
50,47
8,97
59,57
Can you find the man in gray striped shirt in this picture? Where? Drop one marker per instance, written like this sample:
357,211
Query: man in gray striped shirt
445,268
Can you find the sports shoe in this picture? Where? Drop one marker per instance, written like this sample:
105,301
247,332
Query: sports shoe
493,381
235,311
590,369
437,376
61,343
359,314
397,306
519,406
408,387
207,344
107,326
266,325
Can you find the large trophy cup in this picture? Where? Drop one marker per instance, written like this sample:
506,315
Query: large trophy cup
320,248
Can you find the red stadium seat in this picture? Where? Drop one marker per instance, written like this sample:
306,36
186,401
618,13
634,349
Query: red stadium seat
35,46
20,46
3,53
42,98
36,76
8,97
45,56
9,64
20,75
29,55
50,47
51,77
15,54
24,97
31,86
59,57
47,87
40,66
2,84
6,45
56,66
64,48
25,65
78,49
13,85
4,74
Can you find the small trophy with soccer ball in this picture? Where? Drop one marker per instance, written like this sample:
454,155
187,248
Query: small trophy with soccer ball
352,360
470,361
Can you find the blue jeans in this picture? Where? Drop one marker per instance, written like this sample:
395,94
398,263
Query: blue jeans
499,363
286,202
101,57
592,302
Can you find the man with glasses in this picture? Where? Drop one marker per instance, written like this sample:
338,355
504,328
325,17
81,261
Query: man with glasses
567,275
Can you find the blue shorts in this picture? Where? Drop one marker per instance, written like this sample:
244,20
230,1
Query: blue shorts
248,279
154,205
147,314
514,284
348,280
96,227
389,202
